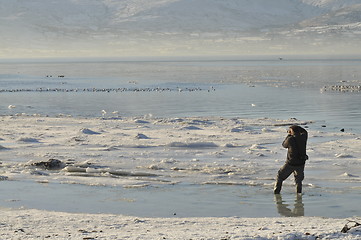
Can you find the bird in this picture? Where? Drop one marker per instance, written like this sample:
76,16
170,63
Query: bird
104,113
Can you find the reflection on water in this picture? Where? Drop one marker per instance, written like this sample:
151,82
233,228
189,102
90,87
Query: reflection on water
284,209
182,199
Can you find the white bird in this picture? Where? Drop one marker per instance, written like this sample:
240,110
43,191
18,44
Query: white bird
104,113
11,106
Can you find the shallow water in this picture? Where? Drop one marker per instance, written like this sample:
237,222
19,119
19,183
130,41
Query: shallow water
179,201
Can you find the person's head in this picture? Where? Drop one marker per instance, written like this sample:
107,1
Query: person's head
295,130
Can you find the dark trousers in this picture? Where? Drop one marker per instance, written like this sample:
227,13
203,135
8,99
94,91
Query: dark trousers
285,171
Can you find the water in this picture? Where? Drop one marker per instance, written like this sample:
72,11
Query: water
251,89
234,88
178,201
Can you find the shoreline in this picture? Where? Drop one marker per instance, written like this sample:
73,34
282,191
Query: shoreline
36,224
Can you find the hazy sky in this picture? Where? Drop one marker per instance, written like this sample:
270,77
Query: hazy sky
169,27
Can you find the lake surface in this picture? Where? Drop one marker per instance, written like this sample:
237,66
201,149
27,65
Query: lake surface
252,89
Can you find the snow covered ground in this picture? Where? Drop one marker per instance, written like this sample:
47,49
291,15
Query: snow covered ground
156,151
35,224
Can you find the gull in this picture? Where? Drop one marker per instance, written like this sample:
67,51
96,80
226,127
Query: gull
104,113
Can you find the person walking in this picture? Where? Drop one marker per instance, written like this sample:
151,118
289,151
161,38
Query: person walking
295,142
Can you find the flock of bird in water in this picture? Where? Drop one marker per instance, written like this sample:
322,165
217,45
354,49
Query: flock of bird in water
107,90
342,88
155,89
338,88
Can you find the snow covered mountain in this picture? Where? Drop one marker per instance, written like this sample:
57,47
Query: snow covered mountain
178,27
344,16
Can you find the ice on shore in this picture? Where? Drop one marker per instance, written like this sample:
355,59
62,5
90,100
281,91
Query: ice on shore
28,140
250,149
88,131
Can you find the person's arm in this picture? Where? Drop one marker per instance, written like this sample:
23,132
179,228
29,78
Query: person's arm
286,142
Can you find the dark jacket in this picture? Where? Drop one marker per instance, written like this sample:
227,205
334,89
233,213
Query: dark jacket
296,144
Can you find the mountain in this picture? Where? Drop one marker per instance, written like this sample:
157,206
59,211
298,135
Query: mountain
345,16
76,28
331,5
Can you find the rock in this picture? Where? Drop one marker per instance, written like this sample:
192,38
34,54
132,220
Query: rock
3,178
141,136
51,164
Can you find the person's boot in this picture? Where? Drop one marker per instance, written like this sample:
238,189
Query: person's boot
277,187
299,188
